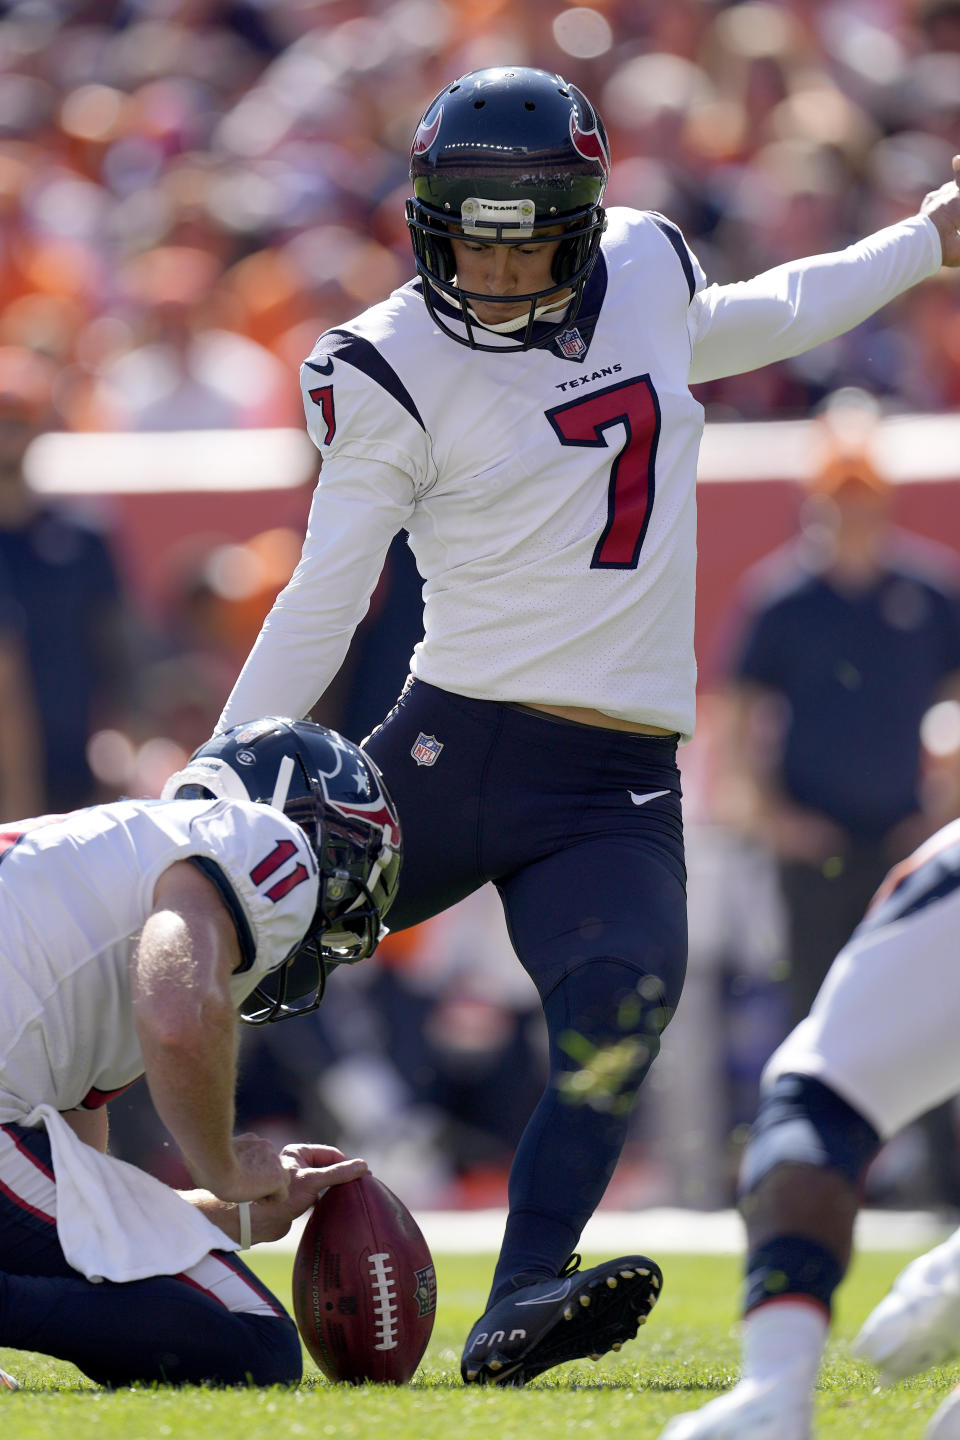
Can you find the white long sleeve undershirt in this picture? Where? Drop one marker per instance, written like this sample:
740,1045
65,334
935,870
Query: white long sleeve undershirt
792,308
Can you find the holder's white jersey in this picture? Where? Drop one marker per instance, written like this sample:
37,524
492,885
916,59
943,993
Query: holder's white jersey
75,891
548,493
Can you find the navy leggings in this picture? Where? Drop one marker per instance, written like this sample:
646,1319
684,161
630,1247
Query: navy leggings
580,829
216,1324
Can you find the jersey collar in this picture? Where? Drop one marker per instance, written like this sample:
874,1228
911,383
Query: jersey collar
580,333
567,345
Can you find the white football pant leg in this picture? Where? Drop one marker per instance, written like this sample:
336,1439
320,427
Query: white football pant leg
882,1032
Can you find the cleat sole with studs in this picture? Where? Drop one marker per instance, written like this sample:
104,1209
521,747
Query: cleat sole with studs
616,1301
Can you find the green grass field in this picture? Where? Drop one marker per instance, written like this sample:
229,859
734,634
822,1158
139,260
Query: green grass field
686,1354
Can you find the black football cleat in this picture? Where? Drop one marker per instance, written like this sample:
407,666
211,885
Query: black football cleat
581,1314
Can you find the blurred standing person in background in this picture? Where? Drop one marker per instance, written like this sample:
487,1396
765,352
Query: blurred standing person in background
852,633
65,594
21,774
522,410
21,760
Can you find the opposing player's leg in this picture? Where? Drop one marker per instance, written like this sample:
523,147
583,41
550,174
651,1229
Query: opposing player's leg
867,1060
913,1066
802,1169
214,1324
601,928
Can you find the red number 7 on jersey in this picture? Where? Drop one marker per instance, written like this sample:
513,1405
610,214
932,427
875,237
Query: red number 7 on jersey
630,493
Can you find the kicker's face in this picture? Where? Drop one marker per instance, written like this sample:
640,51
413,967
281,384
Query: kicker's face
504,270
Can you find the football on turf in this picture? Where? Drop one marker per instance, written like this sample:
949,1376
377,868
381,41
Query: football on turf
364,1286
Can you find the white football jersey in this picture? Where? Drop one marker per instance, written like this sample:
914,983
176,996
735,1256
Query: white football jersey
882,1031
75,891
548,493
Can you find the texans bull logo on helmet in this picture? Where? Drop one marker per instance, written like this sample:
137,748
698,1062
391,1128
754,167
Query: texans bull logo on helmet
591,144
426,134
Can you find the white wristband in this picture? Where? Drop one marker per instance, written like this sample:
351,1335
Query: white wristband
243,1213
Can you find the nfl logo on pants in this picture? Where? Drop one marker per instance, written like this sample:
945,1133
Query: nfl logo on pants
426,749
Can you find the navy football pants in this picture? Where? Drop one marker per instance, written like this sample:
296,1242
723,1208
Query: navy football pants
580,829
216,1324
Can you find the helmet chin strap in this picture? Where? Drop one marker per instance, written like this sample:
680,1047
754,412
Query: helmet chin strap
553,311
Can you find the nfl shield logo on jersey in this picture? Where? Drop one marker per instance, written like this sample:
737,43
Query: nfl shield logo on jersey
571,344
426,749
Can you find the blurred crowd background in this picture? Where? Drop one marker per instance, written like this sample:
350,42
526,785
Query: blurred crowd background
190,192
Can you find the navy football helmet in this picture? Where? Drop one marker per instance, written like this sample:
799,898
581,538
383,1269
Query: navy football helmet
501,156
337,796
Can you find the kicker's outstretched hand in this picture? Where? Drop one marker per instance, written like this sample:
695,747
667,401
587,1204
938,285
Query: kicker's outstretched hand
943,208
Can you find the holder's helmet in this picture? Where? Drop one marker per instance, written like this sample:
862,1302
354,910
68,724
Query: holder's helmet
502,156
337,796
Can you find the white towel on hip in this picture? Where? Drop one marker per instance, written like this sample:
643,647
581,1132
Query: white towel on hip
116,1222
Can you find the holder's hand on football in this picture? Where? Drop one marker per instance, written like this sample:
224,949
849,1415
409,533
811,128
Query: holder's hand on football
309,1169
255,1172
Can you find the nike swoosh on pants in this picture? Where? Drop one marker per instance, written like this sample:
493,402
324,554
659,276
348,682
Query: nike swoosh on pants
642,799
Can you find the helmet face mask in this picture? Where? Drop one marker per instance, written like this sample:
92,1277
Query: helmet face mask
335,793
507,157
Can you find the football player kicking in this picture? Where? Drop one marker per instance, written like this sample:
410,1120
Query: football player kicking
522,410
130,935
870,1057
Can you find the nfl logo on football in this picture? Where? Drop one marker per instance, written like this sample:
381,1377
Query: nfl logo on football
426,749
571,344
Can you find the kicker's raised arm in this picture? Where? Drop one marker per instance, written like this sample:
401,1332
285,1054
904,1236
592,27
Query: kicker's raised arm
796,306
792,308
